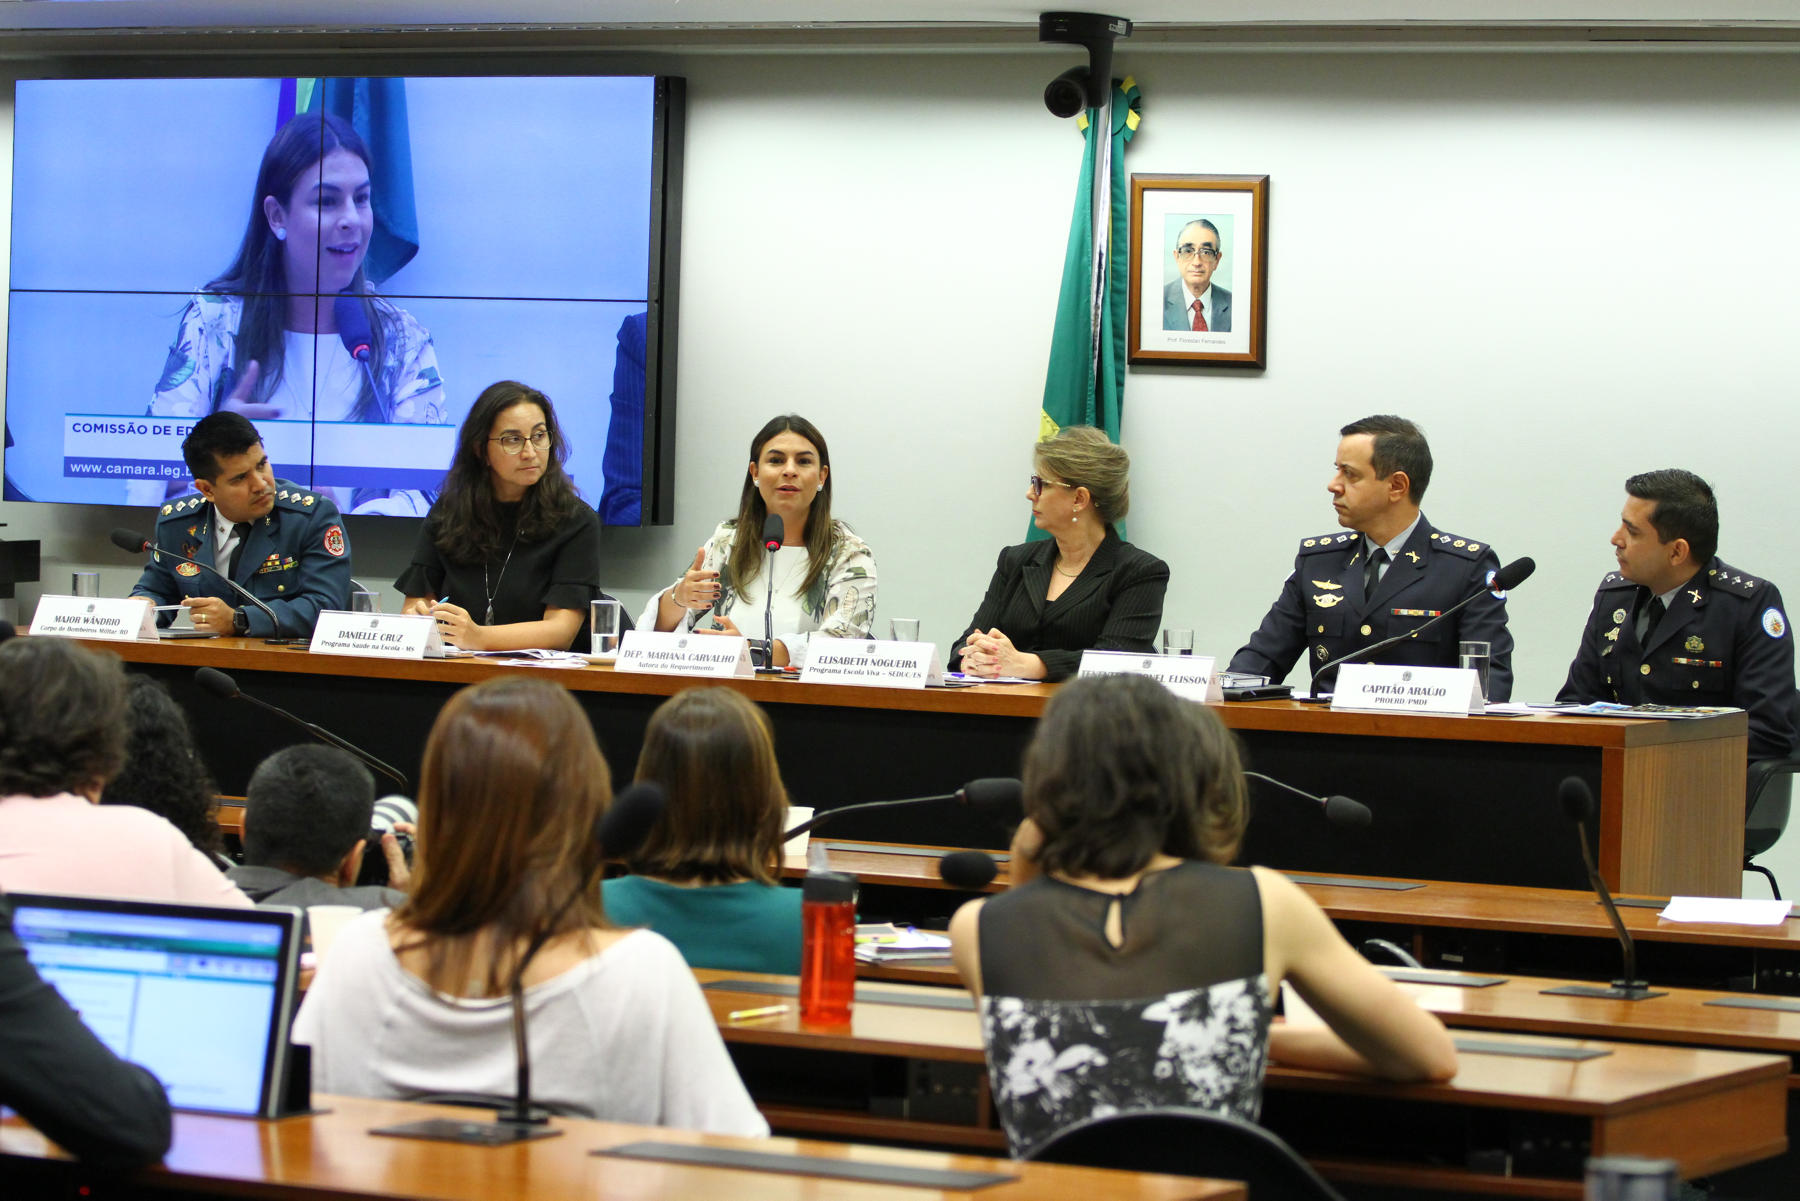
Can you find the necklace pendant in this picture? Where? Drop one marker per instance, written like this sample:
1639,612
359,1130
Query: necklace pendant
490,616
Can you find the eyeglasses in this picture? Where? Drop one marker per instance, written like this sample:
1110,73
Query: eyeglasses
1039,483
1188,250
512,444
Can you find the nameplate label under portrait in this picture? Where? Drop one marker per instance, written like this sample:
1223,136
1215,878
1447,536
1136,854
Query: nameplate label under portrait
1190,676
377,635
113,618
877,664
674,653
1385,688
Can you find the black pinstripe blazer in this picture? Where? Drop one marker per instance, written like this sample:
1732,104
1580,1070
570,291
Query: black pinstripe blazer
1115,604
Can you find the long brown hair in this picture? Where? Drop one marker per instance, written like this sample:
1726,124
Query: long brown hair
466,525
512,785
712,751
747,544
1120,768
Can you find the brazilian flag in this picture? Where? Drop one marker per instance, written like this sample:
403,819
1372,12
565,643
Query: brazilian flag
1078,391
376,109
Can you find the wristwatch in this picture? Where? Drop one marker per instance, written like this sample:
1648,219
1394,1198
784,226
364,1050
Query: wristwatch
240,622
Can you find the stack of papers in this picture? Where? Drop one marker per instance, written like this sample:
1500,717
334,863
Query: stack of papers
893,944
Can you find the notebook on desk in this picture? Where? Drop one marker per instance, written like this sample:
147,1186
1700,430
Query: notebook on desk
202,996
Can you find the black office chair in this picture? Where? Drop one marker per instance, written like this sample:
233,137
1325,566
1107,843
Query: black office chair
1191,1142
1768,793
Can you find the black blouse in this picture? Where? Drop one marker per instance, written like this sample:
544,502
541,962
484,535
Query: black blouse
523,578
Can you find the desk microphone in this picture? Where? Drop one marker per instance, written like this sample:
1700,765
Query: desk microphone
997,795
971,871
225,688
1578,803
1504,580
619,833
773,530
1340,811
137,544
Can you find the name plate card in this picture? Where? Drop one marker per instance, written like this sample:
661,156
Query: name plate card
1190,676
676,653
377,635
1384,688
113,618
882,664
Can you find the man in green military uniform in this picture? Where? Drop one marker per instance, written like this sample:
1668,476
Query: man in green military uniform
282,543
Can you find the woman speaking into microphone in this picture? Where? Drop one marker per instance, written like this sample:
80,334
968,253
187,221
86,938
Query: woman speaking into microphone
821,579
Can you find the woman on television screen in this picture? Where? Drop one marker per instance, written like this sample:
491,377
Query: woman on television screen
821,581
293,330
509,556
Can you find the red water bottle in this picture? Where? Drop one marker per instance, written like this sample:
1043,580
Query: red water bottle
827,947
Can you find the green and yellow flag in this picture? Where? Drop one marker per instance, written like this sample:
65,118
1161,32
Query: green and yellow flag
1078,390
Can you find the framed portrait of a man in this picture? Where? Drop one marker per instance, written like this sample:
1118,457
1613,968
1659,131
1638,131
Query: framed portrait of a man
1199,269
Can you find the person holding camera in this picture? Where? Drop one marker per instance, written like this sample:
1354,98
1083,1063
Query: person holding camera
307,818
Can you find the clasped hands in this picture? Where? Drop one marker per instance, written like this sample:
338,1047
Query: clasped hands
993,654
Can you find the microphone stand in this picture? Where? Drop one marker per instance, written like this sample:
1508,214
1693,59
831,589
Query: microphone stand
1339,810
317,731
1578,801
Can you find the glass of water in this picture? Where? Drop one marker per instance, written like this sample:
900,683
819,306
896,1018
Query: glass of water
1475,655
85,583
1177,641
904,629
603,617
365,602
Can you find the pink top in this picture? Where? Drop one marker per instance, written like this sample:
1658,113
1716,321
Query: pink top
65,844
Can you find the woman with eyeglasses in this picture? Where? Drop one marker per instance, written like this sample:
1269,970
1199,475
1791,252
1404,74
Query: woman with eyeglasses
1083,587
509,556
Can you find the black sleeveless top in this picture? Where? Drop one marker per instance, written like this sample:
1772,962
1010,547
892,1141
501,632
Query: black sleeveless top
1177,1015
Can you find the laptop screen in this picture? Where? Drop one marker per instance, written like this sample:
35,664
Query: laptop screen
200,995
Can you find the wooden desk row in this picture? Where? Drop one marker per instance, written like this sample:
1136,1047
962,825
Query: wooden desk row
1507,1124
331,1156
1480,927
1453,798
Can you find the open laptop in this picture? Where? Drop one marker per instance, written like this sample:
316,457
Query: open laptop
201,995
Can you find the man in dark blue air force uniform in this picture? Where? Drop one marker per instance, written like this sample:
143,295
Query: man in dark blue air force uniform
284,544
1391,573
1677,625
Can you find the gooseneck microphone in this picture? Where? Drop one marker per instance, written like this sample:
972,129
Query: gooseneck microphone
1504,580
1577,801
358,338
1339,810
999,795
620,831
137,544
225,688
772,532
971,871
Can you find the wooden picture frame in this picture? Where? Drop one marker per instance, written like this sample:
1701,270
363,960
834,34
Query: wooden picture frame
1228,218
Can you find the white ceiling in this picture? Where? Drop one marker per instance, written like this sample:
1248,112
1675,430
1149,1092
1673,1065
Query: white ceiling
800,16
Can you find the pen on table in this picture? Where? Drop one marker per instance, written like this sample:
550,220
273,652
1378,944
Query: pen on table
765,1011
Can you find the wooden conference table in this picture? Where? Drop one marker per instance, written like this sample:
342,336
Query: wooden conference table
1515,1124
1453,798
331,1156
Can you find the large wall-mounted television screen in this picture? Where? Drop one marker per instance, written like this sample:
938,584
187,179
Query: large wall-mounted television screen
348,262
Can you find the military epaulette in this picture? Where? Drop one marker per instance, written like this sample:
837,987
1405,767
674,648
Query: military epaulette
1730,581
1312,546
298,499
1613,579
1458,546
181,506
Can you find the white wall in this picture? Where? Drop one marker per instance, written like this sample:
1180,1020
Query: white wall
1568,267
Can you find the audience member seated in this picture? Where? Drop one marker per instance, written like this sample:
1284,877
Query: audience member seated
306,827
64,1080
62,740
416,1001
708,877
163,772
1127,968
